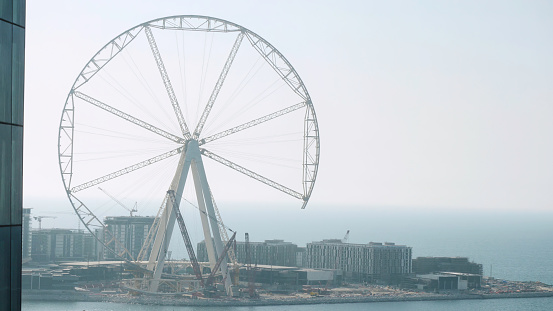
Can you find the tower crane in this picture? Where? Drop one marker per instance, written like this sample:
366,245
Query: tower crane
39,219
133,210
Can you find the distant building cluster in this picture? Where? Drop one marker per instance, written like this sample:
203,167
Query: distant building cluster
365,262
326,262
125,235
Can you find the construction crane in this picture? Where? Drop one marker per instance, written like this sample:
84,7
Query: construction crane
186,237
223,255
195,265
133,210
39,219
346,237
209,289
223,230
236,280
250,271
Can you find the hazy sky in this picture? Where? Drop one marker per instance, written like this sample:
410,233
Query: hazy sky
442,104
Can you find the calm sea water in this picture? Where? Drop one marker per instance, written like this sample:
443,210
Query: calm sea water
515,245
534,304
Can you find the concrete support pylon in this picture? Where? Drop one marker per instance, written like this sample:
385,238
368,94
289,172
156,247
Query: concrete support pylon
190,158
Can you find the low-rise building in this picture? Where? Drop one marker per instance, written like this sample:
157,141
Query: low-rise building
439,282
290,277
426,265
445,281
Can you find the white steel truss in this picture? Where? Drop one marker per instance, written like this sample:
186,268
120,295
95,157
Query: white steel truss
252,174
251,123
129,118
188,144
107,53
167,82
126,170
218,85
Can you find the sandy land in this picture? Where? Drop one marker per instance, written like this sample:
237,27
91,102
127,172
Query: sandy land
335,295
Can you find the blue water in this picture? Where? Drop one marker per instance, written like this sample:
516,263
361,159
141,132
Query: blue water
515,245
534,304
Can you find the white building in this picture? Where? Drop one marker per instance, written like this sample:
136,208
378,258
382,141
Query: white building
364,262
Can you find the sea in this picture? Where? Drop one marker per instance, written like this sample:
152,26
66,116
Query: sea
533,304
511,245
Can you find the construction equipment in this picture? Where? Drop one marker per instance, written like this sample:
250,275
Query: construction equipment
236,279
131,210
186,237
39,219
223,230
209,289
339,258
222,256
346,237
250,271
195,265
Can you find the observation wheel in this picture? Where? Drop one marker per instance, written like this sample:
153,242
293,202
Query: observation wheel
179,96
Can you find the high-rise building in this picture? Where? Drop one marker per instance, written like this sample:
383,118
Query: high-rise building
364,262
126,233
57,245
12,68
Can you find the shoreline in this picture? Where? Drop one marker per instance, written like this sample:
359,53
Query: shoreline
62,295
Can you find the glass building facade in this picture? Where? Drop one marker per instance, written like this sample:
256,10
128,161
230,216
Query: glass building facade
12,54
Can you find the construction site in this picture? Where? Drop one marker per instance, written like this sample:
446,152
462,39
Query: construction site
148,109
144,123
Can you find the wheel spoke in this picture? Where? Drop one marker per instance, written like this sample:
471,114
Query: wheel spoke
252,174
126,170
128,117
218,85
167,82
251,123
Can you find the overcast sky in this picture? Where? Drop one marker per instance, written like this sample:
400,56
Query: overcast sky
424,104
